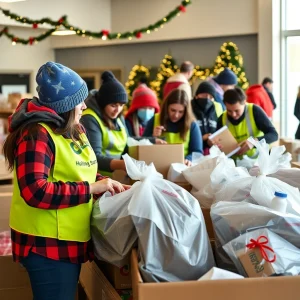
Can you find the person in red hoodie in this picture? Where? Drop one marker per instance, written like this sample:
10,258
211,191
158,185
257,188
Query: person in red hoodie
143,107
256,94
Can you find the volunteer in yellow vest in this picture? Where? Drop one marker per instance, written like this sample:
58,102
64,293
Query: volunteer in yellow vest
105,125
55,178
207,111
245,120
176,124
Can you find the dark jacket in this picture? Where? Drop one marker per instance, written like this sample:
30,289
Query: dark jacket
270,96
297,115
206,118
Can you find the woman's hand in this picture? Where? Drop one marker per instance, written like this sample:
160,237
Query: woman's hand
158,130
107,185
160,142
205,138
187,162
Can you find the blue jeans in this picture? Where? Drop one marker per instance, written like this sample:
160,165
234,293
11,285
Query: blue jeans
51,279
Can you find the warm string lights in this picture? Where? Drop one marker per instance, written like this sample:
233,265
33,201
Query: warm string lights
167,69
135,74
63,23
229,56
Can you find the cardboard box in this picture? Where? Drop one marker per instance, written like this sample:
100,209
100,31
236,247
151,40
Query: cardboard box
6,188
96,286
120,278
161,155
296,165
4,173
275,288
208,222
254,264
291,146
14,280
184,185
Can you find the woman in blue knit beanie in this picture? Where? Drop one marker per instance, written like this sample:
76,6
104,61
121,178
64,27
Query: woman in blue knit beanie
105,125
55,178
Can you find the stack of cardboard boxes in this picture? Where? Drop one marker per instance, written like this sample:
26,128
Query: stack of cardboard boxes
14,280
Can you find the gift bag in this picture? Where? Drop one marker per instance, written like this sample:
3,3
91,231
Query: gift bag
232,219
262,253
163,218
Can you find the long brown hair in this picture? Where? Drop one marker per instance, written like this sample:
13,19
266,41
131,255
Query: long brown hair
178,96
107,120
69,129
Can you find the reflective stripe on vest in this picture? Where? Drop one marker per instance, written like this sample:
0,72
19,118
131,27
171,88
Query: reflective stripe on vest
174,138
244,129
218,108
72,164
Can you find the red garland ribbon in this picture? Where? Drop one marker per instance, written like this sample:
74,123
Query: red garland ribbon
182,8
261,243
31,40
105,32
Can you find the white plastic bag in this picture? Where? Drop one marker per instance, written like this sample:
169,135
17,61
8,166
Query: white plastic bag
162,217
133,142
261,189
246,162
217,274
175,172
290,176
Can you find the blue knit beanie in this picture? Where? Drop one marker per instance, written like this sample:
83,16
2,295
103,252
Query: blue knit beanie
59,87
111,91
226,77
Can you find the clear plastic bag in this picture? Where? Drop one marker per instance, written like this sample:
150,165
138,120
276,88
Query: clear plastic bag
262,253
162,217
261,189
232,219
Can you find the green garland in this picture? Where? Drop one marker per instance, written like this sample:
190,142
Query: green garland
103,34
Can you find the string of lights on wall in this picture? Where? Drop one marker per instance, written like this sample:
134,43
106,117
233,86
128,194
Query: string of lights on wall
63,23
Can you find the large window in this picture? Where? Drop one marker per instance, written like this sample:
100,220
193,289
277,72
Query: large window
291,65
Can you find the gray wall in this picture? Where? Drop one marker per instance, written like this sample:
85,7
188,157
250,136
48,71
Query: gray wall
202,52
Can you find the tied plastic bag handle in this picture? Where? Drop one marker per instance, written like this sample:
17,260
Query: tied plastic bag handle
139,170
268,162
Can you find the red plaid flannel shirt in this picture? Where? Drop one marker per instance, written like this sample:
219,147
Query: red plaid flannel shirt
34,160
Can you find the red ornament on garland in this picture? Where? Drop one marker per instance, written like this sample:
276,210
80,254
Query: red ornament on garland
31,40
15,39
105,32
5,30
61,20
138,35
35,25
182,8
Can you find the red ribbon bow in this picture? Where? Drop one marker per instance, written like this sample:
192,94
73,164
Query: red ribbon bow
261,243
